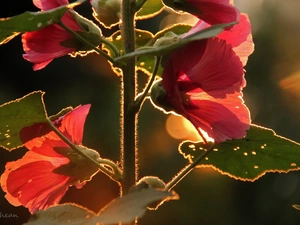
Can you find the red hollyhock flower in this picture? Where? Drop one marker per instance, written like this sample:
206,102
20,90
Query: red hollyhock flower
203,80
214,11
48,43
42,177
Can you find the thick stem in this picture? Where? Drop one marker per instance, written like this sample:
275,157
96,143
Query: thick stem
128,93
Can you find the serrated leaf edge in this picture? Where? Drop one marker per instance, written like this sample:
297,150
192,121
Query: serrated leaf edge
188,157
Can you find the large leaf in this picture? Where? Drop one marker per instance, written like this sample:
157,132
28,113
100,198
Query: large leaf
30,21
163,49
150,8
248,159
124,209
70,214
17,114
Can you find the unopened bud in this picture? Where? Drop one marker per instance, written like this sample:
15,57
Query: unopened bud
78,167
107,12
168,38
152,182
157,95
90,32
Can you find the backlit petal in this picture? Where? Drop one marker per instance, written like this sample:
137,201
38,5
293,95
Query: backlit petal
216,11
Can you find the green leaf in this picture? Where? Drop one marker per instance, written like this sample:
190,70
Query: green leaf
17,114
30,21
150,9
124,209
163,49
248,159
70,214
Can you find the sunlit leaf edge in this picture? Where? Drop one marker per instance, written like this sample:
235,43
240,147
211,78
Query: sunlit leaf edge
123,209
18,100
148,16
239,178
296,206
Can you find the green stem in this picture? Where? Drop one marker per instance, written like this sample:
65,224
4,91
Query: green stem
185,171
111,46
141,98
86,42
128,93
117,173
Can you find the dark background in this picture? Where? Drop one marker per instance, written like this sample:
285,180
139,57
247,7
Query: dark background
206,197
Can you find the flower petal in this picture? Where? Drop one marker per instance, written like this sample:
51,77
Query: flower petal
222,118
40,53
30,182
71,125
49,4
211,65
44,45
239,36
216,11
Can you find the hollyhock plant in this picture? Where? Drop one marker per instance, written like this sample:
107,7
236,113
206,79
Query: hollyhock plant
50,42
210,11
203,80
42,177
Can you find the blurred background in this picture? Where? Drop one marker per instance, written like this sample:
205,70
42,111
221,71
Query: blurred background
206,197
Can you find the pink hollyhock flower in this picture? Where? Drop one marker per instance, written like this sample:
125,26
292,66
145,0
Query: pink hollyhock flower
203,80
210,11
48,43
42,177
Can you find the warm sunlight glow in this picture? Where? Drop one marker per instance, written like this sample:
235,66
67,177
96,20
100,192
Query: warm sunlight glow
180,128
291,84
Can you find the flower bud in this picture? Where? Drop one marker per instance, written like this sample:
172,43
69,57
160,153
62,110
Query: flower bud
90,32
167,39
78,166
157,96
152,182
107,12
